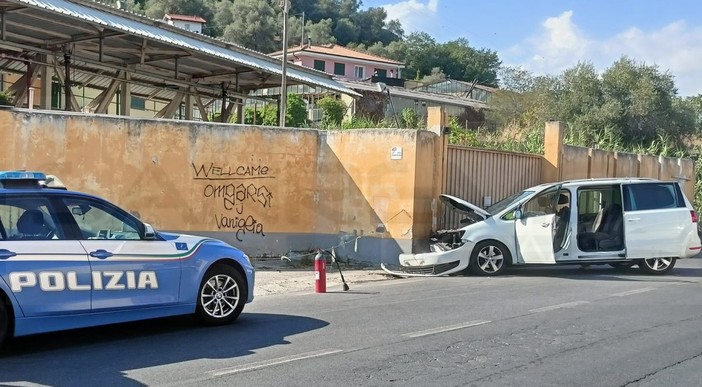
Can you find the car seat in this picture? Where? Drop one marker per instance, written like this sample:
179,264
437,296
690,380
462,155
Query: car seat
607,230
31,225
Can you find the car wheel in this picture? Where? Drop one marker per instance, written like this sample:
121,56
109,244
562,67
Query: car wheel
657,265
4,321
622,265
489,258
222,295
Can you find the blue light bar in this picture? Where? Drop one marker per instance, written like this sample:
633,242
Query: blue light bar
21,175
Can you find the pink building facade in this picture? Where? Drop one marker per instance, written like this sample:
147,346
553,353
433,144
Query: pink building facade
343,62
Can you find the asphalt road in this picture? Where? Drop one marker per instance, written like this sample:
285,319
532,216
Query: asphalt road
532,327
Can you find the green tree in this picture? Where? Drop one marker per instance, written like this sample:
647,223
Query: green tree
333,111
295,113
255,24
631,101
159,8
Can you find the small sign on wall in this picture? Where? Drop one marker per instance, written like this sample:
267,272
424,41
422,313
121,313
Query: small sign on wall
396,153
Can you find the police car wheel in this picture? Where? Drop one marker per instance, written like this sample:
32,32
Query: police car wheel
222,295
4,321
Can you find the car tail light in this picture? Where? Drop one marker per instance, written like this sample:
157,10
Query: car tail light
693,214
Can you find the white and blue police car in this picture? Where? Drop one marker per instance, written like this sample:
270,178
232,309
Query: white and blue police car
72,260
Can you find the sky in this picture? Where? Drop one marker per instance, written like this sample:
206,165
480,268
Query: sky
548,36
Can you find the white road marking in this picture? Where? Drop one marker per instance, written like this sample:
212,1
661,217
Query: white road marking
559,306
273,362
631,292
448,328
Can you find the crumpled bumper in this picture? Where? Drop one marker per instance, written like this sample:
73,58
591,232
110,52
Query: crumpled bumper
435,263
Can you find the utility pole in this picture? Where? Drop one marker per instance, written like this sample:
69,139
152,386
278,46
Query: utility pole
302,38
284,80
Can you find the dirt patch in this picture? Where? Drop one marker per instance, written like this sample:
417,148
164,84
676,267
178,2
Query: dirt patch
277,278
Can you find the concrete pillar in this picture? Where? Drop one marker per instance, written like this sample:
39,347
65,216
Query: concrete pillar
188,105
437,122
125,95
553,152
47,75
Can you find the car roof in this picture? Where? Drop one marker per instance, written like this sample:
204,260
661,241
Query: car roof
44,192
595,181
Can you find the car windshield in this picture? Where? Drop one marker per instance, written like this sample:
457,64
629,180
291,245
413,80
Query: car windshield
507,202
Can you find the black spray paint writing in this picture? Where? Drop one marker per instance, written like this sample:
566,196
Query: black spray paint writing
241,225
234,196
212,171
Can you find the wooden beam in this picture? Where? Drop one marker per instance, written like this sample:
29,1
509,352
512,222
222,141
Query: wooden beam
169,110
73,102
198,102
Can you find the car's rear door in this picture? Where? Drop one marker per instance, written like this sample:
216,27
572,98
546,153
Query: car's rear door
47,273
127,270
656,219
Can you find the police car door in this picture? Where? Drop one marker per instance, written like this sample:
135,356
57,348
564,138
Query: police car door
128,271
535,228
45,272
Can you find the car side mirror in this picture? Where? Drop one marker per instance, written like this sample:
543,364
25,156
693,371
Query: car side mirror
149,233
518,213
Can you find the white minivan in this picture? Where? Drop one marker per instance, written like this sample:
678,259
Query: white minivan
618,221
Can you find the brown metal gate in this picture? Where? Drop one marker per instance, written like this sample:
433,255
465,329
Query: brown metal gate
483,177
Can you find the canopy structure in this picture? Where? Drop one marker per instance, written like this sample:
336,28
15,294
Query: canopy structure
82,43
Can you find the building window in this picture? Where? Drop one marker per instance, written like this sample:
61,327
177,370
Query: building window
382,73
138,103
339,69
358,71
186,26
320,65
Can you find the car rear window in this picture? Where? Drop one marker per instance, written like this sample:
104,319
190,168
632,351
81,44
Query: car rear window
652,196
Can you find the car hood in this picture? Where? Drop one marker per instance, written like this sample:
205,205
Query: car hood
462,206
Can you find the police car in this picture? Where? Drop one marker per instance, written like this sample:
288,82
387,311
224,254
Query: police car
71,260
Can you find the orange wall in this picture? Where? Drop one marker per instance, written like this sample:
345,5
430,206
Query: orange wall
270,190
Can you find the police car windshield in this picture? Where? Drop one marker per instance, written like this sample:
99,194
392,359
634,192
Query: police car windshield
507,202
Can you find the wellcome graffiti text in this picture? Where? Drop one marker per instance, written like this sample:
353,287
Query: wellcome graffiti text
237,189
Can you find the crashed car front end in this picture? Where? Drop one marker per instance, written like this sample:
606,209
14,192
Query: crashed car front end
450,250
443,259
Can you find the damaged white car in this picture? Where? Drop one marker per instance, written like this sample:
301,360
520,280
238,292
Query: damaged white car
621,222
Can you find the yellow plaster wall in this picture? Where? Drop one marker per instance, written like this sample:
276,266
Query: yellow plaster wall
359,182
245,180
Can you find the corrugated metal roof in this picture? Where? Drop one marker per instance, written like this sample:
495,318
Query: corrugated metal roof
424,96
235,54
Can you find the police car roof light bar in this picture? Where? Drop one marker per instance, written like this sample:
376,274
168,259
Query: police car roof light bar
21,175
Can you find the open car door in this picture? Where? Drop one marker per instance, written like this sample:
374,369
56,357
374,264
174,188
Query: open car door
534,229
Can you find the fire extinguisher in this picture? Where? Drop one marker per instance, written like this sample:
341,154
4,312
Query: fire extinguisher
320,273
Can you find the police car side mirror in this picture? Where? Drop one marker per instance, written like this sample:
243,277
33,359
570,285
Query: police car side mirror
518,213
149,233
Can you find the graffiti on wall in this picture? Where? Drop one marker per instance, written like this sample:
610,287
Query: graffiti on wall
236,189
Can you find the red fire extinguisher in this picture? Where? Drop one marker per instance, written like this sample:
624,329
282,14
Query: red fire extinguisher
320,273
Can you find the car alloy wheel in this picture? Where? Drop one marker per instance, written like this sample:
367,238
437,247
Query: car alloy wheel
489,258
657,265
222,295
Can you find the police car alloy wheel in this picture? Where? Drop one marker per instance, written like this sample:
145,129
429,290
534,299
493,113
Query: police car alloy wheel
657,265
222,295
489,258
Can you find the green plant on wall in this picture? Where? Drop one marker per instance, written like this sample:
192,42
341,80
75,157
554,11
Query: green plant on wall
250,113
333,111
295,113
410,119
5,99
